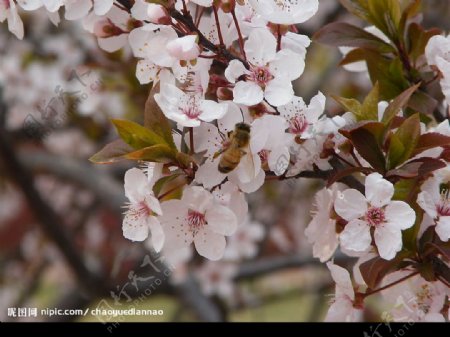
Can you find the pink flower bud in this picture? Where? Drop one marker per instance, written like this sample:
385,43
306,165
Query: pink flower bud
158,14
184,48
105,28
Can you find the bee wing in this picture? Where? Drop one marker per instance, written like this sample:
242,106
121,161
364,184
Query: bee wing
247,167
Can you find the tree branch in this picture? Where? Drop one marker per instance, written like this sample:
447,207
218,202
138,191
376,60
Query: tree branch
46,216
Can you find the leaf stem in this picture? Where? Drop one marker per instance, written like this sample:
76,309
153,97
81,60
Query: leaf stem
390,284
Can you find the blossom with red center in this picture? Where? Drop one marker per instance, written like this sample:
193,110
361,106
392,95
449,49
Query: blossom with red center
187,108
142,209
301,117
415,299
260,75
375,216
197,218
435,201
375,209
196,221
270,72
285,12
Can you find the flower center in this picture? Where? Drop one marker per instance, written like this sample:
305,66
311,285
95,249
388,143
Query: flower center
375,216
285,5
260,75
298,124
190,107
264,156
196,221
424,297
443,207
139,210
106,28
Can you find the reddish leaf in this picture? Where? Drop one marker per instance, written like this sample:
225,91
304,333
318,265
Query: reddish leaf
417,168
445,155
346,172
398,103
418,39
375,269
343,34
355,55
431,140
422,102
367,138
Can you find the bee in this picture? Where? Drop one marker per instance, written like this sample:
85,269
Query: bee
237,148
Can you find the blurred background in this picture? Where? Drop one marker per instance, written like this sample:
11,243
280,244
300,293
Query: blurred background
61,243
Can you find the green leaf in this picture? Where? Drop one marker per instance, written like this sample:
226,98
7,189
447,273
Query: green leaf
350,104
385,15
112,152
184,160
410,235
343,34
369,108
405,190
155,120
160,153
388,73
159,185
136,135
358,8
404,141
398,103
170,187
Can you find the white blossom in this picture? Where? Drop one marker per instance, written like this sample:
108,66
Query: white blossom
374,210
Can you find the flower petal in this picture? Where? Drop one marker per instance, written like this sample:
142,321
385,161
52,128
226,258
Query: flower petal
212,110
135,228
101,7
388,241
342,278
400,215
356,236
443,228
157,233
197,198
260,47
221,220
247,93
135,183
208,174
209,244
174,224
279,91
350,204
378,190
426,202
287,64
234,70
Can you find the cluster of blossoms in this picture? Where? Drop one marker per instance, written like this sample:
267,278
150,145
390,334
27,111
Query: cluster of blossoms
215,65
